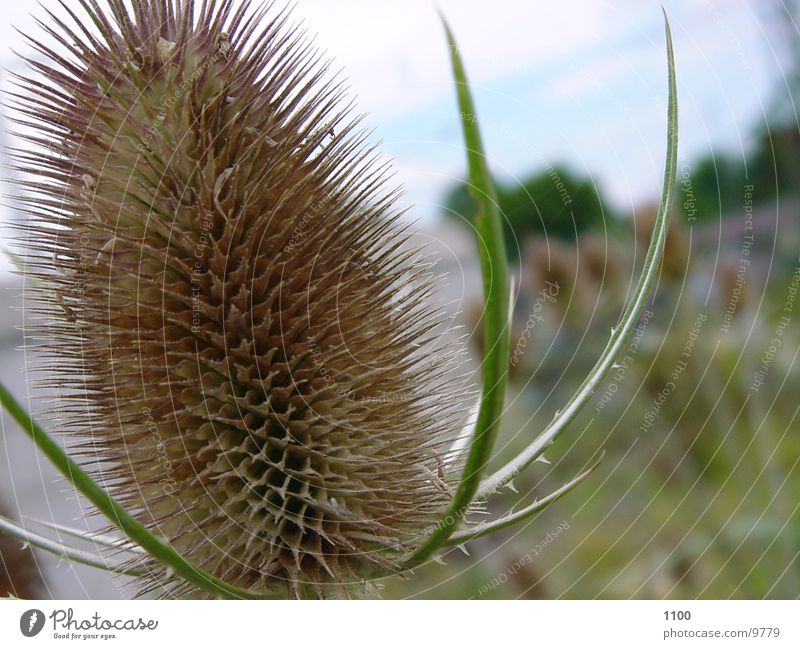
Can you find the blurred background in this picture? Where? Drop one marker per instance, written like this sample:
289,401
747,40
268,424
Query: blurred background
697,493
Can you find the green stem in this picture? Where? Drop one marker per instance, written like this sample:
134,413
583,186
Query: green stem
9,527
522,515
497,332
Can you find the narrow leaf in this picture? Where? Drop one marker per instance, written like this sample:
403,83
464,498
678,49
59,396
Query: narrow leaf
497,336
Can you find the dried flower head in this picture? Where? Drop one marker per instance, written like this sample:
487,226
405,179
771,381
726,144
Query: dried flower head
219,270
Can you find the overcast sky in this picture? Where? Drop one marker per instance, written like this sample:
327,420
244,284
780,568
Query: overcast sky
580,82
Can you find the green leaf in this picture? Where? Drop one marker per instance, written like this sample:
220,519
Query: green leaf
630,316
497,331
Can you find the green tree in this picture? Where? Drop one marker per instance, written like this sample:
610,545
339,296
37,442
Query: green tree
556,202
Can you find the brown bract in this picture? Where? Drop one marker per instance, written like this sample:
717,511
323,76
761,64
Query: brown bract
239,332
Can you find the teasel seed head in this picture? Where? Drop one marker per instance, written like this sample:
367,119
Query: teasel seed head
217,263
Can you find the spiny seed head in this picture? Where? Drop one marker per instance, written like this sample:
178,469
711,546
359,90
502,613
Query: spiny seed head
241,335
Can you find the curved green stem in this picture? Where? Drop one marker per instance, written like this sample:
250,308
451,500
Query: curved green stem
497,332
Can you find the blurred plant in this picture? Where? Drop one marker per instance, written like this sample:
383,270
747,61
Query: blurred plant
702,503
555,202
267,409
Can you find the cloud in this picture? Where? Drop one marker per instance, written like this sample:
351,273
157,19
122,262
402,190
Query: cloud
396,57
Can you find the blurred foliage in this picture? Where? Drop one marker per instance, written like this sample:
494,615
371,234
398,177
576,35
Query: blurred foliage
716,182
556,203
773,166
559,204
697,494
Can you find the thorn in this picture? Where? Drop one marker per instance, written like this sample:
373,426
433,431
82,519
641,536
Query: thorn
106,246
165,48
543,460
510,485
438,559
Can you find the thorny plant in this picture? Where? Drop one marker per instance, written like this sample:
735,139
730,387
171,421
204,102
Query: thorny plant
217,265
